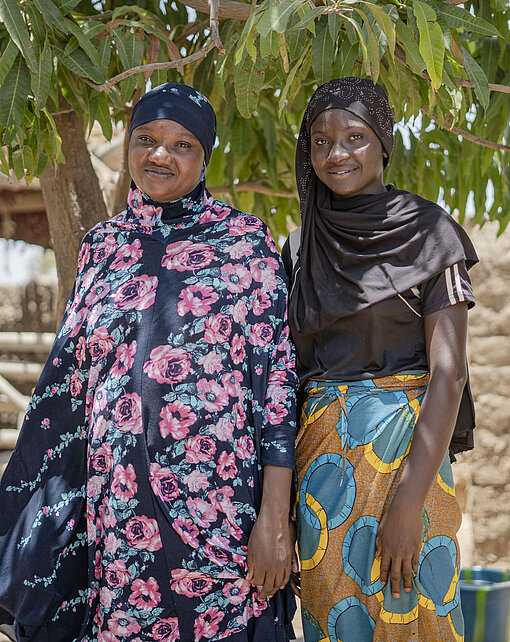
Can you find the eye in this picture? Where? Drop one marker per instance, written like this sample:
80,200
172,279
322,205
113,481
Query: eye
320,141
357,136
184,144
145,139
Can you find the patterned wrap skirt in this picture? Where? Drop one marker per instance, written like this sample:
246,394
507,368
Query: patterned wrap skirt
351,450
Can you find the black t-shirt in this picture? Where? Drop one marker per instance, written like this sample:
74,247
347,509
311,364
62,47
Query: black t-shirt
383,339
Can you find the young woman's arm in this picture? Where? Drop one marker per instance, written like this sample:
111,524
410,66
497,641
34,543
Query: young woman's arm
399,537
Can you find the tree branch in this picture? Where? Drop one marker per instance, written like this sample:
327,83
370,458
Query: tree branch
226,8
461,81
214,43
215,33
250,186
492,86
468,135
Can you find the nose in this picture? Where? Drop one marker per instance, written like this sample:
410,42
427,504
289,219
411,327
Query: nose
337,152
161,155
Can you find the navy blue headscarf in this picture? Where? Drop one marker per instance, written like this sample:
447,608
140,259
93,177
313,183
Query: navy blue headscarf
182,104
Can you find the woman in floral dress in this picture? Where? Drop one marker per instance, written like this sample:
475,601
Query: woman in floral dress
148,495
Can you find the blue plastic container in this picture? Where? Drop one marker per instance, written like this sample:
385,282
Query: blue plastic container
485,599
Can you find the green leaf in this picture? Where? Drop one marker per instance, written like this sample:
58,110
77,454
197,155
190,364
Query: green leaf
345,60
51,14
56,140
4,163
7,59
247,29
374,45
241,138
42,79
104,53
308,18
269,45
490,56
13,98
85,44
276,17
267,121
65,6
298,42
79,63
127,88
360,40
478,78
103,115
296,67
431,41
36,24
413,56
127,9
373,51
323,49
15,24
130,49
248,82
460,18
385,24
334,24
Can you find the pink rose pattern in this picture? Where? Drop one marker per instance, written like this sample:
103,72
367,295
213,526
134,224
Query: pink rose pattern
174,362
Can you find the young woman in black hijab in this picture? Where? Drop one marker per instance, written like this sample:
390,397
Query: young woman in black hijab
378,313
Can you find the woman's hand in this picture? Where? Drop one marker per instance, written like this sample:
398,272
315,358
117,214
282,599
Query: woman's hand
269,554
270,546
398,544
401,529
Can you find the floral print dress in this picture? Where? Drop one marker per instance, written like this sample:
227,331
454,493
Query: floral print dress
128,502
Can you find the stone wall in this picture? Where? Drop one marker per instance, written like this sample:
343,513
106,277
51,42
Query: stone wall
483,475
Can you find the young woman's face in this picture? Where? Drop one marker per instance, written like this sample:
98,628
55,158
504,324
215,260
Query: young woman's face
165,159
346,154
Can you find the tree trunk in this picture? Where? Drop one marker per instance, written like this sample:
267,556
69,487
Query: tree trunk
74,202
122,190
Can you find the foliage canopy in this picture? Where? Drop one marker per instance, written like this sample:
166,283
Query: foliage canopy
445,67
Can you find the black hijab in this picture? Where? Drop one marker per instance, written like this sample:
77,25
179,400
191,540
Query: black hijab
361,250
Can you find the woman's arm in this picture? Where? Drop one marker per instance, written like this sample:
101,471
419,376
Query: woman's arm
400,533
270,547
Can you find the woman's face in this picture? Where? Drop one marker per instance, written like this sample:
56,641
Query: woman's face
346,154
165,159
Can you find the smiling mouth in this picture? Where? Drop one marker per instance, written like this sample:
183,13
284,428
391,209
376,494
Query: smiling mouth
342,172
160,172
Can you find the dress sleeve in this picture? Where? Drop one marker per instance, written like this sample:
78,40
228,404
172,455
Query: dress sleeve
447,288
42,492
279,417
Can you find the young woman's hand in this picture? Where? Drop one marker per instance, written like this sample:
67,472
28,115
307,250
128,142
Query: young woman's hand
398,544
401,529
270,556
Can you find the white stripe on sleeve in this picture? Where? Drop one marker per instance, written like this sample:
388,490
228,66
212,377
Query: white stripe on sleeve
458,283
449,286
